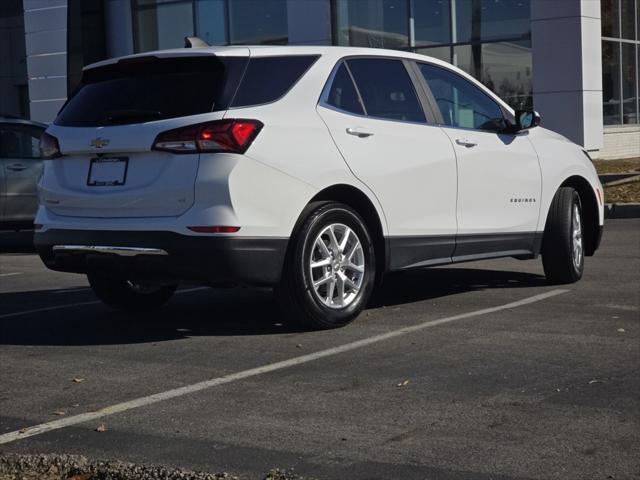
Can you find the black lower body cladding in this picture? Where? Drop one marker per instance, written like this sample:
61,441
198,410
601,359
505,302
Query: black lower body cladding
197,259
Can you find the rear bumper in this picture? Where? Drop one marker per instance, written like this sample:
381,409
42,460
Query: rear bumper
170,256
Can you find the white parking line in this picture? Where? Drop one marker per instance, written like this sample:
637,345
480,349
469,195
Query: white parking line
79,304
197,387
10,274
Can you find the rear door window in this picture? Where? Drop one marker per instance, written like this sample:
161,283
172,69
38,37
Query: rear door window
20,141
269,78
343,94
386,89
149,88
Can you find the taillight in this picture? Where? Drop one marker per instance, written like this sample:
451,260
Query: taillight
49,146
232,136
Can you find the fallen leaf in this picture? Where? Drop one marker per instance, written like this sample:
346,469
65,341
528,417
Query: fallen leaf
402,384
23,430
101,428
59,412
78,380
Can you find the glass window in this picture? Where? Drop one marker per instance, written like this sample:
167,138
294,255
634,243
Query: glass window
610,18
86,39
478,20
162,24
441,53
254,22
504,67
461,103
372,23
629,87
269,78
211,21
20,142
611,82
343,94
432,22
386,89
146,90
628,18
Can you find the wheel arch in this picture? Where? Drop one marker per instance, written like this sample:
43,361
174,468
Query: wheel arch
361,203
590,212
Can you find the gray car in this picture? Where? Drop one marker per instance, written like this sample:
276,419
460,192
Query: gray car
20,169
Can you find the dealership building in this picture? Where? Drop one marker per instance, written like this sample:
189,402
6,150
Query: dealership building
574,61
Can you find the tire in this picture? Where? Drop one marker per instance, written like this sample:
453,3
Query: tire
563,242
327,286
129,296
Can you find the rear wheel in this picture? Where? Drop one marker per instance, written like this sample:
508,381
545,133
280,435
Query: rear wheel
563,243
330,269
128,295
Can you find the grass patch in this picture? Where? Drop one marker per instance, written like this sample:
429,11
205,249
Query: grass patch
626,193
617,166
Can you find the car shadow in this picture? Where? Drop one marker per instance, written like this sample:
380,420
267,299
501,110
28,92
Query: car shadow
16,242
214,312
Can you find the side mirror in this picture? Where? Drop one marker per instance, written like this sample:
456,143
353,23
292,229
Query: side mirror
526,119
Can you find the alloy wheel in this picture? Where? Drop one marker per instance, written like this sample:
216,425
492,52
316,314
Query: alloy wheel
576,234
337,266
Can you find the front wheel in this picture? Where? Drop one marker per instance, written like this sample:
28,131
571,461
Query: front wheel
128,295
330,269
563,243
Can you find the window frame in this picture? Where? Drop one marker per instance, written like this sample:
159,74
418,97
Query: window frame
620,41
506,115
423,101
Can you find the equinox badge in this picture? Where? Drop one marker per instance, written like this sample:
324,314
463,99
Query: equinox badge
99,142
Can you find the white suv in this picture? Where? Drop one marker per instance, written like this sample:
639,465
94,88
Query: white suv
311,169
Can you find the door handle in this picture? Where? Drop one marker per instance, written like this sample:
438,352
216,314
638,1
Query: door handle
17,167
358,132
466,143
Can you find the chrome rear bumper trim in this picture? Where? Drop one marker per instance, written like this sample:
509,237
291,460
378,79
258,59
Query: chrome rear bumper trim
122,251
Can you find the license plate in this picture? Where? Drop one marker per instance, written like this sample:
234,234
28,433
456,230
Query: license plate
107,172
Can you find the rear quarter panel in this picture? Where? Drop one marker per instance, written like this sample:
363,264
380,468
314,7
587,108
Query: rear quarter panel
296,143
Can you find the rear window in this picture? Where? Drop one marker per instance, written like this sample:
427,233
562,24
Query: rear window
269,78
148,88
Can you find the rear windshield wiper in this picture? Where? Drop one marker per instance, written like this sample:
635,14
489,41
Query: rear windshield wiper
117,116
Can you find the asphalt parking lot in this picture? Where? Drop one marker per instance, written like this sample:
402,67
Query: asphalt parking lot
473,371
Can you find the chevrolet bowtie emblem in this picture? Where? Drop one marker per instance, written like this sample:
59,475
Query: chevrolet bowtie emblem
99,142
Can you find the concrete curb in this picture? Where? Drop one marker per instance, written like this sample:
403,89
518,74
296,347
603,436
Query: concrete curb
622,210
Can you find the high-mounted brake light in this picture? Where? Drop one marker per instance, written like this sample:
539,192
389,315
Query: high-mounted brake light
49,146
232,136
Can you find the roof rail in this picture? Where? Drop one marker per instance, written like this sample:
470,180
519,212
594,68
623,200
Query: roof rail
195,42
